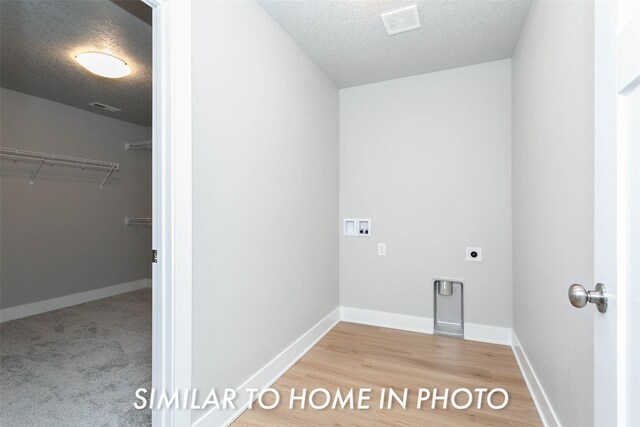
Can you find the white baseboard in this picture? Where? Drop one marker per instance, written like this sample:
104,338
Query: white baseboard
270,373
387,320
472,331
39,307
540,399
488,334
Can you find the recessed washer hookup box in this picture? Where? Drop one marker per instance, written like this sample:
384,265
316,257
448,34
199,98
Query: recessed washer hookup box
448,308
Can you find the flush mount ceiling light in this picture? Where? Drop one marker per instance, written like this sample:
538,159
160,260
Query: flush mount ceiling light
103,64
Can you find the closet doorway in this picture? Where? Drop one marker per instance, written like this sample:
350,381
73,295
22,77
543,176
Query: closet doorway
76,211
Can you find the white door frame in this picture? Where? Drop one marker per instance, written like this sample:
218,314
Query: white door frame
171,336
627,43
617,72
606,363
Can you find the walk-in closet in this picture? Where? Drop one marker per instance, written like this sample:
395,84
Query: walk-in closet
75,210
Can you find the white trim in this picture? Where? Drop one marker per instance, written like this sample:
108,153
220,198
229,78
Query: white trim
172,204
272,371
540,399
39,307
608,216
450,279
628,63
486,333
424,325
383,319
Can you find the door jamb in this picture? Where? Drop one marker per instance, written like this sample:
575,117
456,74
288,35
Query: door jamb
172,226
607,392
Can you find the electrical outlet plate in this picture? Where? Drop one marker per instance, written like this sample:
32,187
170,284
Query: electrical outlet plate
474,254
382,249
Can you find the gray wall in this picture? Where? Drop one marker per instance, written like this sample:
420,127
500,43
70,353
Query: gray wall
63,235
553,200
265,192
428,158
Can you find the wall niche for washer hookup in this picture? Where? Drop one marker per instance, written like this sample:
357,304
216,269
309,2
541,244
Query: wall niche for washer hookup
356,227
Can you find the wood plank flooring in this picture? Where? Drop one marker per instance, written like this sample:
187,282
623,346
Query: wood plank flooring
361,356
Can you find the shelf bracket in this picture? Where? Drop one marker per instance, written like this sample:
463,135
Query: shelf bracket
106,178
32,179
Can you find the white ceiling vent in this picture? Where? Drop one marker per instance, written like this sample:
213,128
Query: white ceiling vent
104,107
401,20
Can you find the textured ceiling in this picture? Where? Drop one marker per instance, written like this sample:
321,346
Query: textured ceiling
39,40
347,39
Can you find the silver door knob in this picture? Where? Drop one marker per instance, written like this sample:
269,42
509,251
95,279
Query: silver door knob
579,296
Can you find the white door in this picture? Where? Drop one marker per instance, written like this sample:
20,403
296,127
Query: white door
617,212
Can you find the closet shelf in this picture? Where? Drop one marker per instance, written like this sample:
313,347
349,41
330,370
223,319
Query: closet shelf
56,159
136,146
137,221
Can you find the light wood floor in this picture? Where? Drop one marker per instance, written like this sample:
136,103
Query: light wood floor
361,356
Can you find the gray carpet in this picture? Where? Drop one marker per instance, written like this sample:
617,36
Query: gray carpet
78,366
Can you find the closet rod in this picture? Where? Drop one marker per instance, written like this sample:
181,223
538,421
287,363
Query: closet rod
137,221
135,146
56,159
